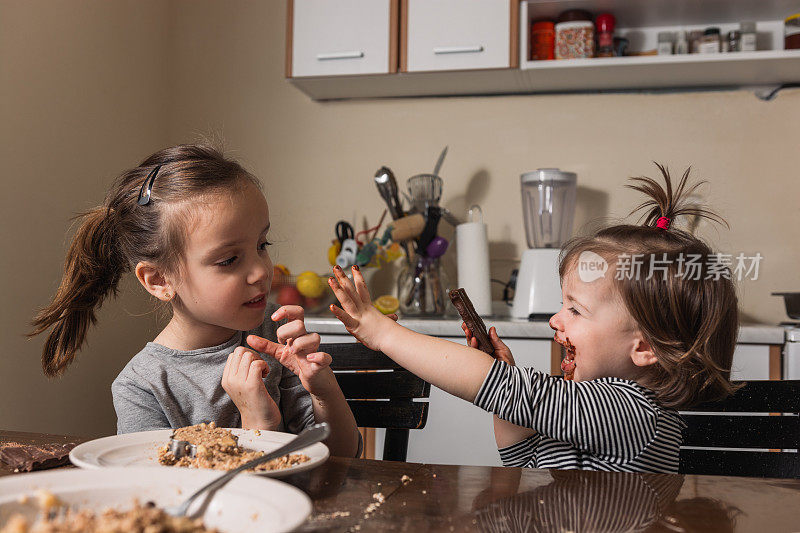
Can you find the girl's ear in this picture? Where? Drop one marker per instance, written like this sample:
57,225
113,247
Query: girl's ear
154,281
642,351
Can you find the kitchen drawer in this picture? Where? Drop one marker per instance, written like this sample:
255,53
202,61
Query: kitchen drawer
458,34
326,38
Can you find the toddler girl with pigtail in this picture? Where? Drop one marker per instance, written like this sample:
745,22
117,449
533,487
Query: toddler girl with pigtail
643,344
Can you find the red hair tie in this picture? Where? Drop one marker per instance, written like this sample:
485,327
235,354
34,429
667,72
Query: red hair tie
663,222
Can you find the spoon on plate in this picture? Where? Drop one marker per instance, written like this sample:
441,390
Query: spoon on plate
307,437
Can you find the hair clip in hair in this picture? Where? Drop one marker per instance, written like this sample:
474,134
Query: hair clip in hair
663,223
147,186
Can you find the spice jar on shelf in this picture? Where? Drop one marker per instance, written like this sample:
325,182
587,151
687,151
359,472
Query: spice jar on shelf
734,41
605,35
665,43
543,37
695,37
747,37
574,35
710,42
791,32
681,43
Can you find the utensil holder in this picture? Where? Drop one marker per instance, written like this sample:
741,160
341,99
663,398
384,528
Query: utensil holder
422,288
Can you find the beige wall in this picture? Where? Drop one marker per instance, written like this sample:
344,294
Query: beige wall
318,159
92,87
83,90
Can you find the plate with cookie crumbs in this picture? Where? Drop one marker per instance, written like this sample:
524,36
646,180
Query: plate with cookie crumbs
209,447
135,499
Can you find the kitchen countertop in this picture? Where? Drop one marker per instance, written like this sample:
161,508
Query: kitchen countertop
518,329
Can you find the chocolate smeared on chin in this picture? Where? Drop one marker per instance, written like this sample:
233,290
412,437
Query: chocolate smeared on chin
568,364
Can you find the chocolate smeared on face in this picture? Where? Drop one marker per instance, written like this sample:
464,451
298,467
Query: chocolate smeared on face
568,364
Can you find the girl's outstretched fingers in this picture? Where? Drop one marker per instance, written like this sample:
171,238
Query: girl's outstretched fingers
344,318
345,292
360,285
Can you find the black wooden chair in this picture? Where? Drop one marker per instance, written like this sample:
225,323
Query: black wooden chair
717,428
380,399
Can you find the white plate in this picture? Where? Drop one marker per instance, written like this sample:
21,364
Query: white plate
141,449
246,504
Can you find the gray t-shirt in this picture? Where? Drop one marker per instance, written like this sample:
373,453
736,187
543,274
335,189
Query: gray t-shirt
165,388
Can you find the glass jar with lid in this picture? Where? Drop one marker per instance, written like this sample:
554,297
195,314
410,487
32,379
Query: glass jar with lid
710,42
791,32
574,35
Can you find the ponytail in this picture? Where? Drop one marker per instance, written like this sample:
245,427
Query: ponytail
121,233
92,270
667,202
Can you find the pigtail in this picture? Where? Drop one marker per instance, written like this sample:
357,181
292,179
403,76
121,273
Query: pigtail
92,271
667,202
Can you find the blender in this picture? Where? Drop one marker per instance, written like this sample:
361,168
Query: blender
548,205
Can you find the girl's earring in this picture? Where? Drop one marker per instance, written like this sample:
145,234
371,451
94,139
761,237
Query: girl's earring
168,296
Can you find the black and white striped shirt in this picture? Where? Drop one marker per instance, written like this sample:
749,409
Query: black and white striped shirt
606,424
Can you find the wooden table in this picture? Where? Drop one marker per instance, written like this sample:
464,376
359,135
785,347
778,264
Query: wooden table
367,495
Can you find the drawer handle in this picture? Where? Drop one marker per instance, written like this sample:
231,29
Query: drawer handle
458,49
340,55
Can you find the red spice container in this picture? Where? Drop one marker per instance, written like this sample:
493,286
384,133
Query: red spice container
605,34
543,39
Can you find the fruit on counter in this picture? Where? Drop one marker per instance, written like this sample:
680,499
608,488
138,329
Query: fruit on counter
333,252
312,303
387,304
280,276
310,284
288,295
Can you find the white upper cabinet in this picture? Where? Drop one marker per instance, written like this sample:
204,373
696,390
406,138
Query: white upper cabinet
438,35
341,37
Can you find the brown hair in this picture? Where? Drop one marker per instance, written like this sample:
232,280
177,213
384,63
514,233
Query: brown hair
691,322
114,237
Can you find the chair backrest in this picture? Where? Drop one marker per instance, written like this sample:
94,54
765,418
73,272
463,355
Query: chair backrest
381,398
768,418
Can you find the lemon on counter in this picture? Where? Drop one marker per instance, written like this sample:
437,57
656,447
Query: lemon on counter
387,304
310,284
333,252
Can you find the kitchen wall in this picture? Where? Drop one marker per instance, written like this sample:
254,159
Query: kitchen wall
83,93
317,159
90,88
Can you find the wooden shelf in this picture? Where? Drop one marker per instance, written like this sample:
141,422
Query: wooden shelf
687,72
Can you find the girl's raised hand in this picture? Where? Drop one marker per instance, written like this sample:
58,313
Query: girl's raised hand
242,379
299,351
359,316
501,351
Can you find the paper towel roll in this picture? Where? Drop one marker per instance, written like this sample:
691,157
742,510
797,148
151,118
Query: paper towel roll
472,244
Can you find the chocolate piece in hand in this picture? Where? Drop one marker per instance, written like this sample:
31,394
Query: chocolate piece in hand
472,319
27,457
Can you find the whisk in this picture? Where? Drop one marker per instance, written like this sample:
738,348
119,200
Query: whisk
424,190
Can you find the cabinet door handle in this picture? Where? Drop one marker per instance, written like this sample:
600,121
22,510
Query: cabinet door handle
458,49
340,55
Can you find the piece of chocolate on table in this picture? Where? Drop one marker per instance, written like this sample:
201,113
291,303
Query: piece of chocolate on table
472,319
28,457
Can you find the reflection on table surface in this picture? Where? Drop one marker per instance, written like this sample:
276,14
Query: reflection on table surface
491,499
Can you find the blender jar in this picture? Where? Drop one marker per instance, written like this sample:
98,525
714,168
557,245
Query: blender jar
548,205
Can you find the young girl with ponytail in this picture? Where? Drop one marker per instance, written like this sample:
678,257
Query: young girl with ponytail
192,225
642,344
